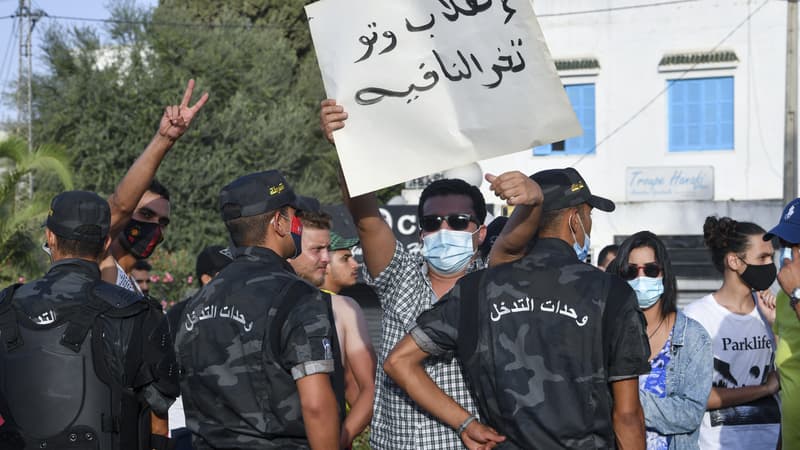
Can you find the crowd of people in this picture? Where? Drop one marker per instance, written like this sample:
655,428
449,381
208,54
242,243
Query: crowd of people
497,335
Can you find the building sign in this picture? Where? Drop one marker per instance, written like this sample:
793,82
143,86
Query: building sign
669,183
402,219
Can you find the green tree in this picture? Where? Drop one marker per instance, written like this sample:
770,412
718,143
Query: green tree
20,219
102,98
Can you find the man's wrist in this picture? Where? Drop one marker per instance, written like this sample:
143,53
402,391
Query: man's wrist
164,139
463,427
794,297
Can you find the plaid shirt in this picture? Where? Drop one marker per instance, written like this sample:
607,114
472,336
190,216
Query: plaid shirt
398,423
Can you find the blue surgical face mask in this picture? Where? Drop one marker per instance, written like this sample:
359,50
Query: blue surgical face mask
786,253
648,290
448,251
582,252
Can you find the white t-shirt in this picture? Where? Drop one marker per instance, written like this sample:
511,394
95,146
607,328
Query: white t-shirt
177,416
743,356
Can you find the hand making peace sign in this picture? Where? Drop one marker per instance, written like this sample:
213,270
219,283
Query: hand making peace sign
176,118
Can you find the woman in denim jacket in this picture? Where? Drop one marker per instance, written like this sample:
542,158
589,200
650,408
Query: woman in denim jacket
675,393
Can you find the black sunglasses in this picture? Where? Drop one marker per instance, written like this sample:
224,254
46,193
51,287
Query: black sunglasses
458,222
652,270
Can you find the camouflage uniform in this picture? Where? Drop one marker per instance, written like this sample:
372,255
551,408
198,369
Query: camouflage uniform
549,334
238,370
62,291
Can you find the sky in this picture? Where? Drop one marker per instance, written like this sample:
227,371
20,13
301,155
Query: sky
9,35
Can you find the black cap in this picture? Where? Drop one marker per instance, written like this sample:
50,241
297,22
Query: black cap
492,232
212,259
255,194
563,188
79,216
309,204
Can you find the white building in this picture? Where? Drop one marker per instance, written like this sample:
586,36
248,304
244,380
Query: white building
682,103
682,106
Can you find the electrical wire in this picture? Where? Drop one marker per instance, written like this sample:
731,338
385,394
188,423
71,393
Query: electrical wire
247,26
163,24
616,8
6,61
682,75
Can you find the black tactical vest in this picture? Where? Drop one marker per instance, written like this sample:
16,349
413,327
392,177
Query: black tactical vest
57,390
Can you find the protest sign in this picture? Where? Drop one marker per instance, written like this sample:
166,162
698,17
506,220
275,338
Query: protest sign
432,85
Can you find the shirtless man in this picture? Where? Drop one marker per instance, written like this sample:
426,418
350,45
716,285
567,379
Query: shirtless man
342,272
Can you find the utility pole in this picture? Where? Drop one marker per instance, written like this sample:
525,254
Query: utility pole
790,123
27,21
20,71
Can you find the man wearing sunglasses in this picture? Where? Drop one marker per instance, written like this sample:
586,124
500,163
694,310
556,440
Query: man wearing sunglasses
451,215
552,346
787,325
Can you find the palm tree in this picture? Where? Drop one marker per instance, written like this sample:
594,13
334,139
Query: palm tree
18,248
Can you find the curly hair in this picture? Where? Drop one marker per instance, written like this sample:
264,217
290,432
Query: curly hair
725,235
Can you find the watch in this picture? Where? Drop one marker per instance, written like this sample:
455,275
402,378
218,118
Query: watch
794,298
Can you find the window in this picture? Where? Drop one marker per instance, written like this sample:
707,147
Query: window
581,96
701,114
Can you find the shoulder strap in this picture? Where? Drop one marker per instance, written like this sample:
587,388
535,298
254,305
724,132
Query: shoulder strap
81,322
9,328
114,295
468,321
123,422
337,377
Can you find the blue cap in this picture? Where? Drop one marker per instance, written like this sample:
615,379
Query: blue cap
788,228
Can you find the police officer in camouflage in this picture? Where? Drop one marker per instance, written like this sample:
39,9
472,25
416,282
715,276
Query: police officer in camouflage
255,344
82,365
552,346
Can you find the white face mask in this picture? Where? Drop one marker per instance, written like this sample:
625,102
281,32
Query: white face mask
648,290
581,251
448,251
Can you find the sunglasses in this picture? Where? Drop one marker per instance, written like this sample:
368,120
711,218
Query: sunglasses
457,222
652,270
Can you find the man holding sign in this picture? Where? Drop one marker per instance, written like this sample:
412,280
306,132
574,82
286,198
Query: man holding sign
451,215
417,78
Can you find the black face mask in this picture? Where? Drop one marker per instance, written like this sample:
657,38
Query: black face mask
759,277
141,238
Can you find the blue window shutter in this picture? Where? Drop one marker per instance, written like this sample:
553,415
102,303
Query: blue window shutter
700,114
582,99
581,96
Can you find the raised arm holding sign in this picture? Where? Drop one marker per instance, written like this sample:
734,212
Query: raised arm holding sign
429,86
